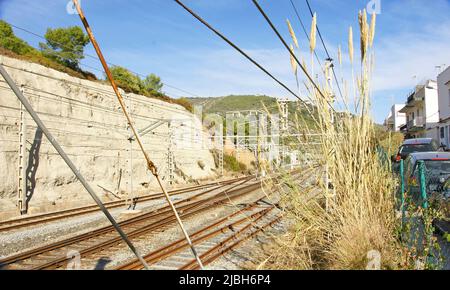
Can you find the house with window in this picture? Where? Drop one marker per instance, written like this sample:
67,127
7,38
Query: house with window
422,112
395,119
443,82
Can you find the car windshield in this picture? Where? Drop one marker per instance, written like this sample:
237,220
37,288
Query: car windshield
406,149
437,167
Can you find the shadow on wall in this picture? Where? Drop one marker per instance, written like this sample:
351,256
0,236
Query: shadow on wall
33,163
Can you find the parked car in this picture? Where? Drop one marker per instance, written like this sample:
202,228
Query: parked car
415,145
437,172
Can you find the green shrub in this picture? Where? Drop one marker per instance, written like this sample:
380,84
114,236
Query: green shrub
11,42
65,45
230,163
126,80
63,51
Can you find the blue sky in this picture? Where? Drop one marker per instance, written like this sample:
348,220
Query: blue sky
157,36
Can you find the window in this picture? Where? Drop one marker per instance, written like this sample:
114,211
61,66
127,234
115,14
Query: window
448,135
418,113
449,95
407,149
442,133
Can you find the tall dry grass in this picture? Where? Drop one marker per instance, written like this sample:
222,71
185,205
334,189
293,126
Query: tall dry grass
348,211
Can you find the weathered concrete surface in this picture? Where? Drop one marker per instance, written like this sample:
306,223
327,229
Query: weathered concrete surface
85,118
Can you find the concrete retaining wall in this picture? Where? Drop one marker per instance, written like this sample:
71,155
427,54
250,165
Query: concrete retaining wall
85,118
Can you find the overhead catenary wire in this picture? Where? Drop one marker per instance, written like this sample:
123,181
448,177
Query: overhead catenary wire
218,33
101,91
291,52
304,30
326,49
151,166
96,58
69,163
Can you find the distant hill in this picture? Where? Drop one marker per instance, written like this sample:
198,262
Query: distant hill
221,105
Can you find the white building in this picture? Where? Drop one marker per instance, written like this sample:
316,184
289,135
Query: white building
396,119
443,81
422,112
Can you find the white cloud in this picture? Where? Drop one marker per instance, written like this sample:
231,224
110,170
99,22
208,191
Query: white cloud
400,58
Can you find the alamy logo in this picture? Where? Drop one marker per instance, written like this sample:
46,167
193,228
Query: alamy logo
374,6
74,260
71,8
374,260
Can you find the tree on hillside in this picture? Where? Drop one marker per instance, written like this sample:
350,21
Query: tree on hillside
11,42
152,83
126,79
65,45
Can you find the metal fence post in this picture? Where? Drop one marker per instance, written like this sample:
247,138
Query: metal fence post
402,188
423,190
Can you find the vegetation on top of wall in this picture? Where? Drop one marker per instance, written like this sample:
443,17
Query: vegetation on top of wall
65,46
63,50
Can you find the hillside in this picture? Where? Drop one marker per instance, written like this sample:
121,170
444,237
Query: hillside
221,105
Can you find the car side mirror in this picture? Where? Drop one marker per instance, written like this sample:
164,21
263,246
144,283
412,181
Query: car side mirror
393,158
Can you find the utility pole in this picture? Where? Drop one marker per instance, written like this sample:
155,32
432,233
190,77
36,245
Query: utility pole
222,149
69,163
258,145
170,155
22,181
329,166
283,106
131,198
261,142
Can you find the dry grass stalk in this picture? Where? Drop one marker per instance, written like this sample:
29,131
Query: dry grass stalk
293,62
364,28
350,44
335,228
339,55
312,42
291,31
372,29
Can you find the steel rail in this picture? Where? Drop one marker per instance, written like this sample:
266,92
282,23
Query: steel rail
163,214
162,222
198,237
14,224
68,161
222,248
151,166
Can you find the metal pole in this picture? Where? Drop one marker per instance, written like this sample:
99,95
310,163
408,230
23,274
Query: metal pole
423,190
151,166
170,155
402,189
222,149
67,160
22,182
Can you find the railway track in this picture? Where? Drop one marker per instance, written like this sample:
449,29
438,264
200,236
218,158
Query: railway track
92,244
212,241
39,219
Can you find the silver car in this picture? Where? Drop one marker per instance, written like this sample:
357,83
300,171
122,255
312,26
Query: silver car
437,171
